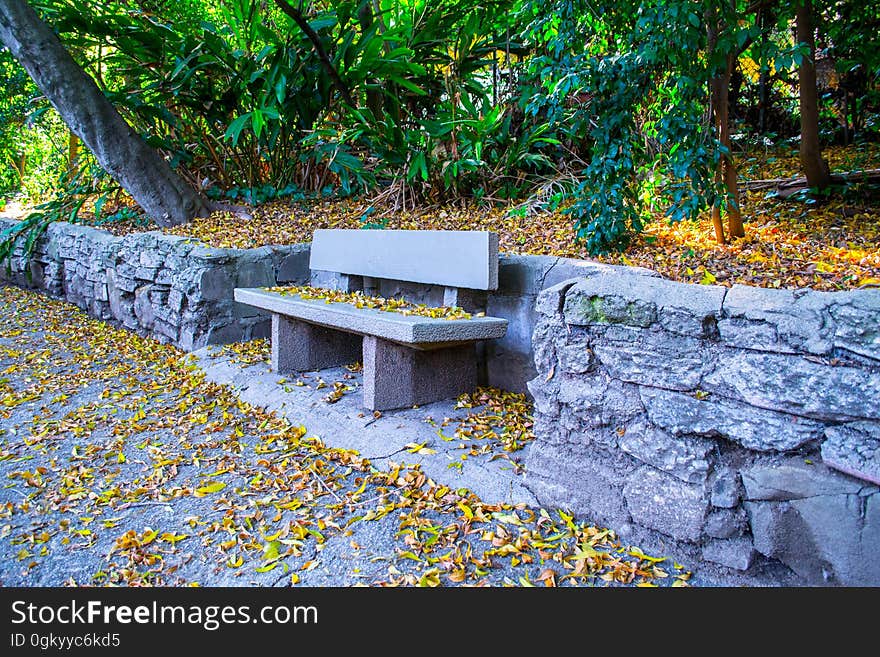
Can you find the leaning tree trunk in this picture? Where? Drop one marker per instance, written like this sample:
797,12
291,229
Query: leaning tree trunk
140,170
815,168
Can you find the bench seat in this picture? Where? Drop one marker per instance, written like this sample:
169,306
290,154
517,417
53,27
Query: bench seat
414,331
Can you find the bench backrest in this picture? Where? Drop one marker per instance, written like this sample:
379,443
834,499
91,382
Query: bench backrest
454,258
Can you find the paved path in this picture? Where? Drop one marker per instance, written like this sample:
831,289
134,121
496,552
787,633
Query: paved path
123,462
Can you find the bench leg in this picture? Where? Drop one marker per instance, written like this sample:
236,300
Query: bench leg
300,346
398,377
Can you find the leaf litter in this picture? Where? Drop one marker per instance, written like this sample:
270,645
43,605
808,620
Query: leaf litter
825,244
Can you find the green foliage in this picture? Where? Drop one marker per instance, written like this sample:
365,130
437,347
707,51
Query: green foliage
628,80
597,107
31,139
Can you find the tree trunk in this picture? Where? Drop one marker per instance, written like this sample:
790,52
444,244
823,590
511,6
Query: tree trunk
720,110
815,168
138,168
728,168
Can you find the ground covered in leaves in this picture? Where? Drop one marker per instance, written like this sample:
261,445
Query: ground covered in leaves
120,464
829,244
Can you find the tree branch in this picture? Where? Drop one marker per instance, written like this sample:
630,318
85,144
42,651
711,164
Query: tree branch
315,38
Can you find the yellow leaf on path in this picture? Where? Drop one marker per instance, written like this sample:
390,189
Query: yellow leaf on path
419,448
270,551
430,578
215,487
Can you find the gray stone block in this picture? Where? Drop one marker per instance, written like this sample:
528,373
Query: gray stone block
551,301
175,299
640,301
655,359
684,458
261,329
165,276
191,338
715,416
854,449
211,256
577,358
605,402
121,303
466,259
397,377
796,385
145,273
101,292
255,269
726,523
793,480
726,489
821,538
856,319
225,333
795,320
737,553
423,332
300,346
582,309
152,259
163,328
216,283
293,268
143,309
664,503
574,477
546,402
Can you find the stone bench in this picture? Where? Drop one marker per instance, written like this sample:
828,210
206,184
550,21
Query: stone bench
407,359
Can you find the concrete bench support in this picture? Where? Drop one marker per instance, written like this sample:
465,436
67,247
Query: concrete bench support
396,376
299,346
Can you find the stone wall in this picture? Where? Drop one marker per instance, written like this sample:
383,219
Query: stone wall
739,427
180,290
173,288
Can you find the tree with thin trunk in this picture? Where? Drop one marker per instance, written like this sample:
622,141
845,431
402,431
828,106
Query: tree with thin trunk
137,167
719,103
814,166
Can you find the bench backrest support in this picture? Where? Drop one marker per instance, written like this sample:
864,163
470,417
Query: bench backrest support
451,258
